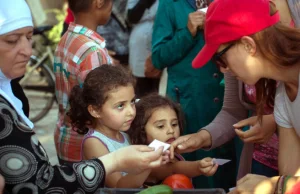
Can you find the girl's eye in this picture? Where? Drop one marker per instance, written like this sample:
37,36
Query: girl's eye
160,126
120,106
175,124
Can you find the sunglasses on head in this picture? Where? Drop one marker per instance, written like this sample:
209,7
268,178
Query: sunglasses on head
217,58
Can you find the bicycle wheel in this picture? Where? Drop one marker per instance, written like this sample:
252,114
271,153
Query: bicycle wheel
39,87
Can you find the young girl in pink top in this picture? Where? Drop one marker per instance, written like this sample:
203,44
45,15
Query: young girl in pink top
160,118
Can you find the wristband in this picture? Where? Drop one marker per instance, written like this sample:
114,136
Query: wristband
285,183
280,185
276,188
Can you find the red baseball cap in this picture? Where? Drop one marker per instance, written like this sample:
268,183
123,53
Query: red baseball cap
229,20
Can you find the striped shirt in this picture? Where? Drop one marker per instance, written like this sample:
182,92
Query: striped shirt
79,51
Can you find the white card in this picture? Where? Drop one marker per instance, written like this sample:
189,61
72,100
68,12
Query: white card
231,188
220,161
203,9
157,144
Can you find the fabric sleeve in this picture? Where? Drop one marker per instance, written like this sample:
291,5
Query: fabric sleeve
26,167
169,45
90,62
221,128
280,110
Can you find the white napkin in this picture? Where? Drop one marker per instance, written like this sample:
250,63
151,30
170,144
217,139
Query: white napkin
203,9
157,144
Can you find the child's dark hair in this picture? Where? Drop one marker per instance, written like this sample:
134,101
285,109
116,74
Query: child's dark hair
144,109
79,5
95,92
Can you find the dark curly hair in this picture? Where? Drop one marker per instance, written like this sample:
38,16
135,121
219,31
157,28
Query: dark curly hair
97,85
144,109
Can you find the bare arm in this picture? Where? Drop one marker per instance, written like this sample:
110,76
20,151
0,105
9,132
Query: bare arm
93,147
133,181
188,168
289,151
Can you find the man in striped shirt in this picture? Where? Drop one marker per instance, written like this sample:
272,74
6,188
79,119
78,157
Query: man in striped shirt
80,50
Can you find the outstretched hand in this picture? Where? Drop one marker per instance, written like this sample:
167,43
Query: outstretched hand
190,143
137,158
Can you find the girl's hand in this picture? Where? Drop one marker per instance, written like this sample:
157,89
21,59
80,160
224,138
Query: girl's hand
137,158
207,167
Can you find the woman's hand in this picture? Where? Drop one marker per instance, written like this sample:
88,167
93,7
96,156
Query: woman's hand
207,167
137,158
255,184
191,142
196,21
258,133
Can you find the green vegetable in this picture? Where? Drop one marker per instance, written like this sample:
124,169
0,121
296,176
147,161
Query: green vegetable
158,189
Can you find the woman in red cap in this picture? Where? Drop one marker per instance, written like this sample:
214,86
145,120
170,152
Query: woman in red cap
248,40
260,150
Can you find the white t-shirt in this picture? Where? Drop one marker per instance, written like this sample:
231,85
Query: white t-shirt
287,113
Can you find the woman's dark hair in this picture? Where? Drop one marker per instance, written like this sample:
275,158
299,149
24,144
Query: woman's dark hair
144,109
279,44
95,92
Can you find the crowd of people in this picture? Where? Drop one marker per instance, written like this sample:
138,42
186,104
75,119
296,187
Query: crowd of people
113,52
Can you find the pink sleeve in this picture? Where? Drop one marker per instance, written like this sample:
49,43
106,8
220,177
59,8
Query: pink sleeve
233,111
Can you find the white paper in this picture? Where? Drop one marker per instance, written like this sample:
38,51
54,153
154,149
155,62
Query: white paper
231,188
220,161
157,144
203,9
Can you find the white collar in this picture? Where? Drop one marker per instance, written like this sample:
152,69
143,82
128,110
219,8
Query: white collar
6,92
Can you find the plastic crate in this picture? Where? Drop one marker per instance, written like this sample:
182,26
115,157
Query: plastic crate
183,191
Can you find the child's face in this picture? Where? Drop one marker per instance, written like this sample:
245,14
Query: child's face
163,125
118,112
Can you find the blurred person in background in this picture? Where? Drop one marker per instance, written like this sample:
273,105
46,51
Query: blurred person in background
141,15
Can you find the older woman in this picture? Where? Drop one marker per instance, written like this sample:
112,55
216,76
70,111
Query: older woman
24,163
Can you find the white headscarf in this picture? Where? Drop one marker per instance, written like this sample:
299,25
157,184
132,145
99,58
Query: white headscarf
14,14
